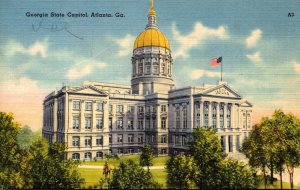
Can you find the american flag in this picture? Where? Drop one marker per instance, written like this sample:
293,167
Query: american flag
216,62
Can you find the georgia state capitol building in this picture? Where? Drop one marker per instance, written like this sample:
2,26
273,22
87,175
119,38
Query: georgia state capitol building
97,118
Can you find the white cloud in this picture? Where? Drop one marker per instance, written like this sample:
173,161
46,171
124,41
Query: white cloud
254,57
83,68
195,38
254,38
296,66
38,48
125,44
199,73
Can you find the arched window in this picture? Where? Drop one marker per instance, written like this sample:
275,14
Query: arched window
155,68
221,115
148,68
99,154
76,156
163,68
214,115
88,155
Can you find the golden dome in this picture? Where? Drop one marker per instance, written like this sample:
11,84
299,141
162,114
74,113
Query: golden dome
151,37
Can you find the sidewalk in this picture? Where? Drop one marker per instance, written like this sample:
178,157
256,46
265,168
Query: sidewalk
101,167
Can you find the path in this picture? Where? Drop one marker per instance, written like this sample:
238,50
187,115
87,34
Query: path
101,167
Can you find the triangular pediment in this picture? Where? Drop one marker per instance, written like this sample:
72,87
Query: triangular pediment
221,91
246,104
88,90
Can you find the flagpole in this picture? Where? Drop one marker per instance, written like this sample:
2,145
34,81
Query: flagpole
221,71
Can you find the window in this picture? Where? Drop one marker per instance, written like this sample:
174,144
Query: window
177,113
130,109
184,140
148,68
177,142
75,123
153,123
99,141
163,108
152,138
163,68
99,106
140,138
120,139
163,123
99,123
130,151
76,156
223,142
140,69
140,124
88,105
228,115
130,124
110,123
163,139
88,141
110,108
230,143
155,69
120,123
120,108
130,139
88,123
205,112
238,142
141,109
99,155
76,105
244,120
221,115
88,155
110,139
163,151
214,115
76,141
184,122
153,109
120,150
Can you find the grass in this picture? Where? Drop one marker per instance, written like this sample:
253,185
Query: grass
92,177
157,161
276,185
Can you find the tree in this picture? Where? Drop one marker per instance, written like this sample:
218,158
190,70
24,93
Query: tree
50,170
146,158
10,154
235,175
26,137
208,153
129,175
181,169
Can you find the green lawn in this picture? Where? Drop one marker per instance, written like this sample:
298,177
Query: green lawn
276,185
158,161
92,177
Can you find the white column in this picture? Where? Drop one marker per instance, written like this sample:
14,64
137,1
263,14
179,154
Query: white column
209,115
55,107
201,113
225,115
233,115
105,125
190,114
218,115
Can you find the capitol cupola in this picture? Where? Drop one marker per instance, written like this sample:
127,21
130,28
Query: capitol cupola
151,60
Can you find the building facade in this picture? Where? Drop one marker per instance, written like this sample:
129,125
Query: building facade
97,118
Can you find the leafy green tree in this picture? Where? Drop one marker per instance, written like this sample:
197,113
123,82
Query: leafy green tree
235,175
181,169
208,153
50,170
10,155
146,158
26,137
130,175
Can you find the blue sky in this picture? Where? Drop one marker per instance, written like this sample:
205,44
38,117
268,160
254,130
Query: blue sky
259,44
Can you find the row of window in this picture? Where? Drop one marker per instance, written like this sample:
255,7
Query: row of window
178,117
87,141
152,139
88,123
87,155
88,105
179,140
130,138
147,69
